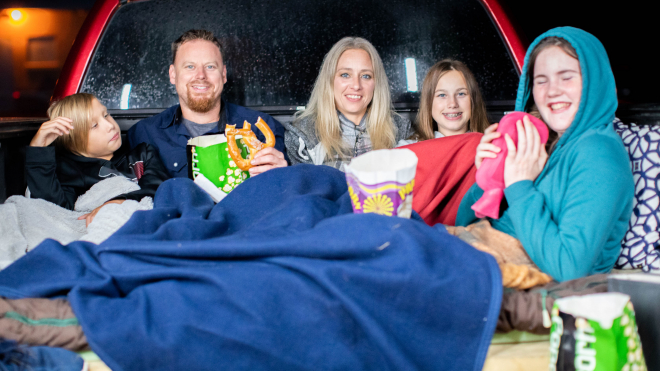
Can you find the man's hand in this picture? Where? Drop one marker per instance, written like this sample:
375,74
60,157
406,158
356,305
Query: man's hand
266,159
526,162
50,130
89,217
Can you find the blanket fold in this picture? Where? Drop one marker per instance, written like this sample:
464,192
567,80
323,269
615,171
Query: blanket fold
26,222
278,275
445,172
522,310
37,321
518,270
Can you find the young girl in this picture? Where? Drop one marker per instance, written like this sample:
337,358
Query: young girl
450,103
349,112
90,149
570,208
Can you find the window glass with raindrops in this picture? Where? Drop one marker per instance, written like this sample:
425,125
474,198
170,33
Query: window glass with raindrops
274,48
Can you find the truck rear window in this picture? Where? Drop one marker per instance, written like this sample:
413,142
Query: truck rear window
274,48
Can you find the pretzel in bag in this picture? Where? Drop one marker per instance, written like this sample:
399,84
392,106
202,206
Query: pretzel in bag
250,140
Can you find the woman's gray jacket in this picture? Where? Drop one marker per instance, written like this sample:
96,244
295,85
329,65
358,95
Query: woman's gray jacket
303,145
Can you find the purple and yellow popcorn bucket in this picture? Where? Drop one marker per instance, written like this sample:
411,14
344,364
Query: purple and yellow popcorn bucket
382,182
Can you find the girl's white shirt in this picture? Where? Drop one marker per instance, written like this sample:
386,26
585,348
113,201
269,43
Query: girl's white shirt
405,142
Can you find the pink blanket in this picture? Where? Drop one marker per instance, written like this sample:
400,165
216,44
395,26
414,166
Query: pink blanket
490,176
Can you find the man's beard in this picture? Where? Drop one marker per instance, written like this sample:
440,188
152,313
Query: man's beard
201,104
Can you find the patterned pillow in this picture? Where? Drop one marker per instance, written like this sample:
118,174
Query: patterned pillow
641,244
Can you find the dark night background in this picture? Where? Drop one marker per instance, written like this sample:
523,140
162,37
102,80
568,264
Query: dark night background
628,30
51,4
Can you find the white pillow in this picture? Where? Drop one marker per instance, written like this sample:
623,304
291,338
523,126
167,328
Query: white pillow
641,244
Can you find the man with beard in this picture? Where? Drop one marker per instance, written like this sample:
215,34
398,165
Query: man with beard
198,72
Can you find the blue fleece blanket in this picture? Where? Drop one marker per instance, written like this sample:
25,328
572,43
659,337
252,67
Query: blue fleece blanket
278,276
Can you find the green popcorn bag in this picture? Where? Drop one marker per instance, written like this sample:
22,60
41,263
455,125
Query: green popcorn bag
208,157
595,332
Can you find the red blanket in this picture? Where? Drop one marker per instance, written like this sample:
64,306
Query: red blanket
445,172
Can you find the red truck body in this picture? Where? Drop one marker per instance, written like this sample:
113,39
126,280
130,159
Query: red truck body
82,50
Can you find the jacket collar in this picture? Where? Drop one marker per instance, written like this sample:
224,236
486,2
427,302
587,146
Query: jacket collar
174,115
117,157
347,124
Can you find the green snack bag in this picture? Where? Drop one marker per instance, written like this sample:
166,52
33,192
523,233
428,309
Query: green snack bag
595,332
208,155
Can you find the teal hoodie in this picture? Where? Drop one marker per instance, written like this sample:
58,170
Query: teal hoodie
571,219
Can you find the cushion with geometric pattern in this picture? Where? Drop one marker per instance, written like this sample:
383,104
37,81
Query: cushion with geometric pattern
641,244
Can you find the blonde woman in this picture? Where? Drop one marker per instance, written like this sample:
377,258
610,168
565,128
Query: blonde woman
349,112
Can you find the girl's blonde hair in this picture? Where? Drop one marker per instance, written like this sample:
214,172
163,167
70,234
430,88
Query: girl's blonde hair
77,107
425,125
322,109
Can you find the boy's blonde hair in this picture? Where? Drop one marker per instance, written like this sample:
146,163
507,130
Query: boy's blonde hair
77,107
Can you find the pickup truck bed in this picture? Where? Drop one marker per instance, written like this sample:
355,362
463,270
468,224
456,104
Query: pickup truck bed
125,43
122,54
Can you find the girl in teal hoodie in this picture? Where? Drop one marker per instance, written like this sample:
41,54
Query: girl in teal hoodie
569,209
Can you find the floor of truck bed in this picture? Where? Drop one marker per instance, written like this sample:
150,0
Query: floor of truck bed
507,352
518,357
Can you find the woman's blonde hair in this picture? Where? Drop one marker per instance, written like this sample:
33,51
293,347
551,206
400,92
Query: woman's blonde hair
424,124
77,107
322,109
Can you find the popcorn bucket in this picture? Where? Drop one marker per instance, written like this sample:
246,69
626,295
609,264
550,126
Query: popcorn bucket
382,182
209,157
595,332
644,291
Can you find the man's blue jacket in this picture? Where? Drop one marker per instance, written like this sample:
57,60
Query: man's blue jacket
165,132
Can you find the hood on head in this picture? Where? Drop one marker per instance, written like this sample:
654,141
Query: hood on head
598,102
